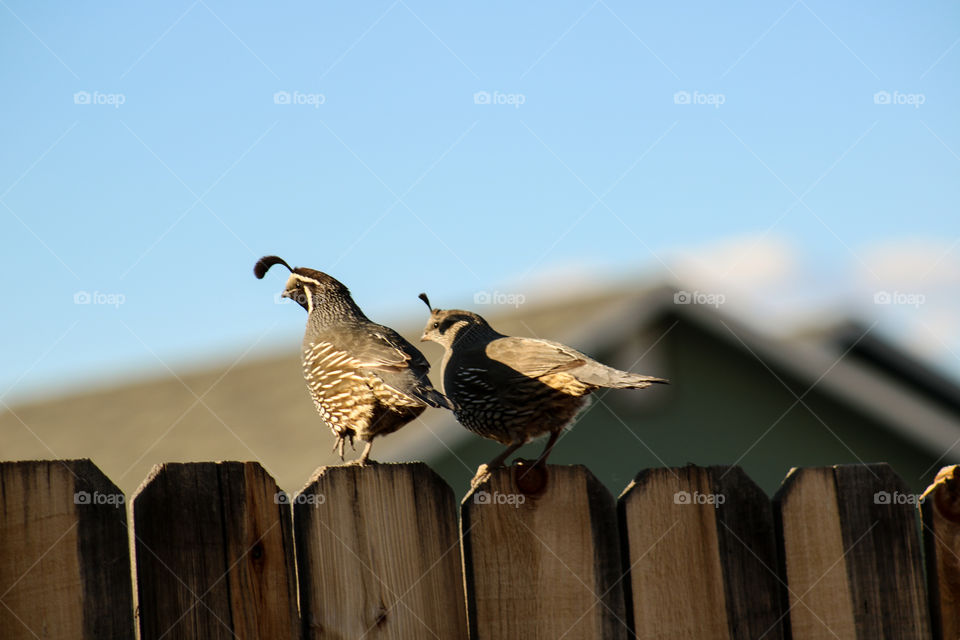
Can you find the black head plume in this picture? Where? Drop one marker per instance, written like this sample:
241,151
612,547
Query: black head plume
263,265
426,301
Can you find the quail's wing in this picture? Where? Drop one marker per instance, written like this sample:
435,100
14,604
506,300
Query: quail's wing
388,349
533,357
386,354
371,346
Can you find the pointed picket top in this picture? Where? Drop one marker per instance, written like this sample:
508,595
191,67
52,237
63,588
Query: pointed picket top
64,556
214,553
378,554
700,545
850,553
542,556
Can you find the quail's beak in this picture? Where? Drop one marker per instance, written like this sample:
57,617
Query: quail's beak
424,337
288,294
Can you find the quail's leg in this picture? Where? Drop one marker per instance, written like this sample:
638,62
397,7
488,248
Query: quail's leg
365,456
554,435
483,471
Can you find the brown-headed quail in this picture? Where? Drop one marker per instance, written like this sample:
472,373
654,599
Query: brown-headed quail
364,378
512,389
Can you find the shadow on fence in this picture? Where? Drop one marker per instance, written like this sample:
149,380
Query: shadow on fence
377,552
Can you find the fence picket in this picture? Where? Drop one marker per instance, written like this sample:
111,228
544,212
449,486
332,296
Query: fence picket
64,557
699,543
378,555
851,554
542,559
941,534
214,553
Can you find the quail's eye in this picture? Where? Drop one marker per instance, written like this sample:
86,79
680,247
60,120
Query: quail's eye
436,325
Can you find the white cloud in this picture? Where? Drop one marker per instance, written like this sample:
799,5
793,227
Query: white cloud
923,264
744,262
763,278
920,269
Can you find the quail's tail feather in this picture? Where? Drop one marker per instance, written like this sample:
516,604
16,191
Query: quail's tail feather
434,398
637,381
596,374
437,400
416,386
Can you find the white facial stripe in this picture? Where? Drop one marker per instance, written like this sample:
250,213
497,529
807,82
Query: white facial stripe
305,279
306,291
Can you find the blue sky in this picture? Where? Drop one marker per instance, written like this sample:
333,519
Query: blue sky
154,152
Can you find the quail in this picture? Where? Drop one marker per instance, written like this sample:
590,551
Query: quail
513,389
365,379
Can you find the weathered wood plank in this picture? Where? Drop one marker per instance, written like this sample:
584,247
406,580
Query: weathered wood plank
64,556
941,533
214,553
812,555
543,561
700,547
851,554
378,555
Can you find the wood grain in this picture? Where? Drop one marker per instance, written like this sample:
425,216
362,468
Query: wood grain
64,557
214,553
543,562
700,547
378,555
851,554
941,534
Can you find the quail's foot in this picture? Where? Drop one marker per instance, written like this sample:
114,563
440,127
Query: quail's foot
360,462
364,458
482,475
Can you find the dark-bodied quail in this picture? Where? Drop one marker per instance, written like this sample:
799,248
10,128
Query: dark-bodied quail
364,378
512,389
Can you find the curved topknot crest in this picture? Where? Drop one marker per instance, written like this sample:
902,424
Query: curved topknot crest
263,265
426,301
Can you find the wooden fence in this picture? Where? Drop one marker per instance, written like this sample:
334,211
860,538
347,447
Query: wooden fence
379,552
